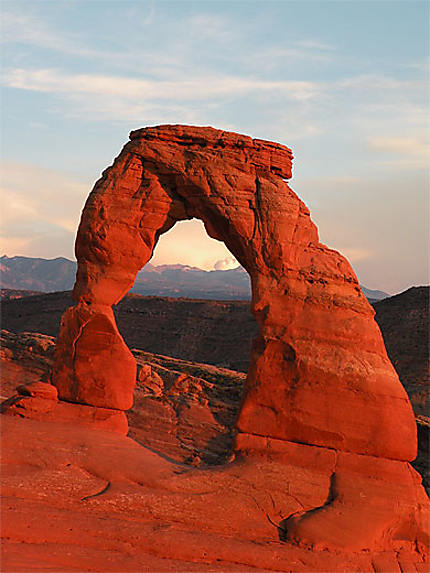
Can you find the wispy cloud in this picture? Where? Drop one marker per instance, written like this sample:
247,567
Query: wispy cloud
354,254
186,40
286,110
20,27
401,145
377,81
312,44
408,152
191,99
54,81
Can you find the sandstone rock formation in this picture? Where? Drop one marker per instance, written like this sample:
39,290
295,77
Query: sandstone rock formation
80,499
322,403
318,344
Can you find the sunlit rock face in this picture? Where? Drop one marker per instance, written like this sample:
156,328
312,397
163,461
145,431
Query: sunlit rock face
321,396
319,372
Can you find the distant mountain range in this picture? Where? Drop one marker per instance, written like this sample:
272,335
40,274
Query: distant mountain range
53,275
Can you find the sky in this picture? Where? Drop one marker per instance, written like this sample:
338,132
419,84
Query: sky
345,84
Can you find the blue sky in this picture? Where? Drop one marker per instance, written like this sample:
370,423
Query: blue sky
344,84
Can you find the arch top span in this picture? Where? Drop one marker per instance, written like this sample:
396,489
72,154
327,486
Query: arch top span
233,183
319,373
273,157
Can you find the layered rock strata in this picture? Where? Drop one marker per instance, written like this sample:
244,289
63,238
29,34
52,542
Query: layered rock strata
319,373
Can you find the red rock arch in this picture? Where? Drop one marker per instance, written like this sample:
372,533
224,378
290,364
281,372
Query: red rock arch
319,373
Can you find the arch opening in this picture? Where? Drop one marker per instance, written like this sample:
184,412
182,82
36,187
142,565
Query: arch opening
188,244
195,352
212,322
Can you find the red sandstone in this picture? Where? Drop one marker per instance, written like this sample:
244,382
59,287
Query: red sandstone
318,344
325,430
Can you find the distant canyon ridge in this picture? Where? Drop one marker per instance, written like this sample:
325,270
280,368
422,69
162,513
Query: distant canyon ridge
53,275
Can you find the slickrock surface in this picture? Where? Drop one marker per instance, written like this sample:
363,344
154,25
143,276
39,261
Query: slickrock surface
92,500
325,429
184,411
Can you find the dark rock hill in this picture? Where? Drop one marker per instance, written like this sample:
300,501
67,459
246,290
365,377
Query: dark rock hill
213,332
404,322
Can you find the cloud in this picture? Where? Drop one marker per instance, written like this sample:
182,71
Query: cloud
313,44
414,152
193,99
185,38
188,243
19,27
354,254
378,82
226,264
282,109
201,87
205,69
401,145
30,28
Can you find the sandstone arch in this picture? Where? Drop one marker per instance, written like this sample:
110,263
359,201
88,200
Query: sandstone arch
324,429
319,373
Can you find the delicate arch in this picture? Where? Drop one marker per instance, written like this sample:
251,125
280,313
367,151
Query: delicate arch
319,373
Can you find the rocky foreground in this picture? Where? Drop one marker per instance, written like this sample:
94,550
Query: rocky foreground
96,489
97,501
184,410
